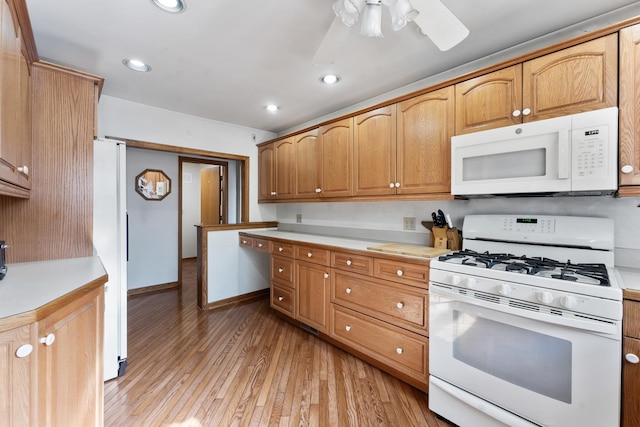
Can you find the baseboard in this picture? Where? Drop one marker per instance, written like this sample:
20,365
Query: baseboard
153,288
239,298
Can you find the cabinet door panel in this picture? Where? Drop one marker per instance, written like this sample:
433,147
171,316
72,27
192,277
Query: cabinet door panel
374,152
425,127
629,106
266,172
488,101
18,380
573,80
312,295
284,174
337,164
308,164
630,384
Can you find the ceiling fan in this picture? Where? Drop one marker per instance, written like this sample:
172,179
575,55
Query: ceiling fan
431,16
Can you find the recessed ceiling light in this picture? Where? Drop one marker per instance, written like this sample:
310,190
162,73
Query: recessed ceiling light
330,79
136,65
173,6
272,108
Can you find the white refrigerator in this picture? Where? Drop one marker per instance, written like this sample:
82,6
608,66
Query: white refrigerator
110,244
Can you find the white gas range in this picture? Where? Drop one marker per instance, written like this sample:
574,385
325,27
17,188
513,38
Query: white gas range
526,324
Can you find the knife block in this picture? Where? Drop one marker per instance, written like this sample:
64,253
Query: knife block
445,238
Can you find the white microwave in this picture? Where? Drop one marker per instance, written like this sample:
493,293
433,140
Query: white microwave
569,155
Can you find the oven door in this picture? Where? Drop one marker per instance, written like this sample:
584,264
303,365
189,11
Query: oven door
527,363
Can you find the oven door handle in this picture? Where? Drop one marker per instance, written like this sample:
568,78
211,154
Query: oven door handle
609,329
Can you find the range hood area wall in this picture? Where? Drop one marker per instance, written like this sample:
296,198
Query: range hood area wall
384,220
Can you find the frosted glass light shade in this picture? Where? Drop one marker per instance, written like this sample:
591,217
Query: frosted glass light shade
372,20
401,12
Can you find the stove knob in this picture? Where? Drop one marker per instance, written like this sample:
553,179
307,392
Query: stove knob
455,280
568,301
470,282
504,289
544,297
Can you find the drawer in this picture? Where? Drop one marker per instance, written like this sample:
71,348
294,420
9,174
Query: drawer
349,262
283,249
282,270
402,305
631,319
402,272
246,242
261,245
395,347
312,254
282,299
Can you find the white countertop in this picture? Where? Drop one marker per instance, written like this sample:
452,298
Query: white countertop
630,278
339,242
31,285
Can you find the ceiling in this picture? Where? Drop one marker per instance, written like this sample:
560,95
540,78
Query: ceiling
227,59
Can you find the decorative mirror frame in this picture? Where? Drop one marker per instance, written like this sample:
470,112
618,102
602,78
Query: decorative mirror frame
155,186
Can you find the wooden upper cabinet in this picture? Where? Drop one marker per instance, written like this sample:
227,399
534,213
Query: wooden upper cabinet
374,152
336,142
488,101
308,164
266,173
573,80
425,127
285,158
629,110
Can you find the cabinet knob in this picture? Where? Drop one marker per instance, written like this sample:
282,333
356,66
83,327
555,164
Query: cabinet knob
318,190
516,113
526,111
280,249
349,262
280,270
309,254
397,185
627,169
399,350
24,350
326,275
273,193
348,290
244,242
23,169
48,340
391,185
400,305
260,245
631,358
399,272
280,299
347,328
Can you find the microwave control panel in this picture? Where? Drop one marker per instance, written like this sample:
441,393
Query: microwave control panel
590,153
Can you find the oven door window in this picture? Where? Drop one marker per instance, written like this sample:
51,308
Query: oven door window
513,354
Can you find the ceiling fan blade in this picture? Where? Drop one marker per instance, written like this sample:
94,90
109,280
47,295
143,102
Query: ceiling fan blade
331,43
439,24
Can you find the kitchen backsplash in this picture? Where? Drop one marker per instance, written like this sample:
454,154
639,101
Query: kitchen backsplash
383,221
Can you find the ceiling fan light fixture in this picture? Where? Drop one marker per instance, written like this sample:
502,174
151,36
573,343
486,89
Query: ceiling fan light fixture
136,65
372,19
348,10
330,79
171,6
401,12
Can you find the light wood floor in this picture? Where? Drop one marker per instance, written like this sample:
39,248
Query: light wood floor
243,366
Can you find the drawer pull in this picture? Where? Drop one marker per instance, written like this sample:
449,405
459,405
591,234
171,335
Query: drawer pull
280,249
48,340
244,242
24,350
309,254
348,290
260,245
399,350
400,305
349,262
280,299
347,328
631,358
326,275
280,270
399,272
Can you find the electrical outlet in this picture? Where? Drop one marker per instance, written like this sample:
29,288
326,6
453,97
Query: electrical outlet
409,223
298,218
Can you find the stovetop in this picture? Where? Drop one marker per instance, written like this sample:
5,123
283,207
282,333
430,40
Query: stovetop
585,273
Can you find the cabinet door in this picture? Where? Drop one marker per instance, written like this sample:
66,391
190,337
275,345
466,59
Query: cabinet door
573,80
336,141
374,152
71,390
312,295
630,384
18,379
284,160
266,172
308,165
24,125
629,108
10,48
425,127
489,101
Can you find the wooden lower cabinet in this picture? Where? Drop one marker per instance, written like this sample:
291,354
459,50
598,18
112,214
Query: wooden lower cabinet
312,298
283,299
60,381
630,415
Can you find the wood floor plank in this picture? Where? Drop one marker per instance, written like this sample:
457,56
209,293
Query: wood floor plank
243,365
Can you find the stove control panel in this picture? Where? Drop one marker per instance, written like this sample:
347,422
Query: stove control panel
529,225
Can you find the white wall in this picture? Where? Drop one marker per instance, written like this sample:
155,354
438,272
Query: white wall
190,209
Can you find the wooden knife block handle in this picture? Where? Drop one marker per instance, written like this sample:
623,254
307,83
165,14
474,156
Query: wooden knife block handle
445,238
